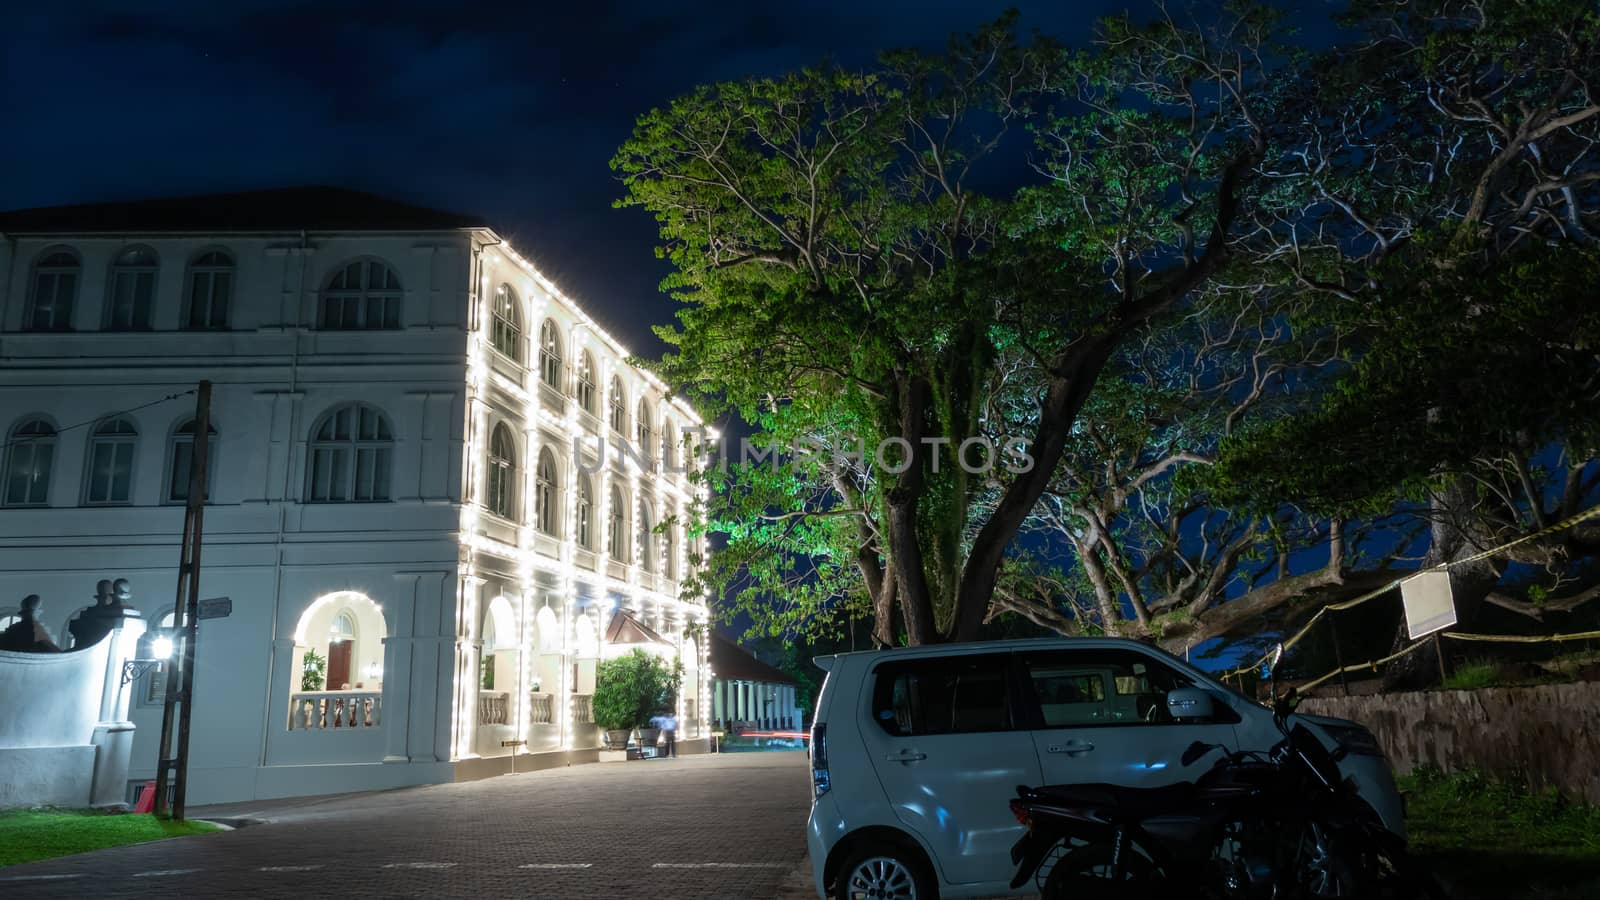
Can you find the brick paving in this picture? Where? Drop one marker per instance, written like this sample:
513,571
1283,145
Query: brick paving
724,826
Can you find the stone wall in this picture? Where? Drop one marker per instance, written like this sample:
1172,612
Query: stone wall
1547,734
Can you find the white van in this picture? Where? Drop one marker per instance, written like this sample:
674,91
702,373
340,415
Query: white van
916,752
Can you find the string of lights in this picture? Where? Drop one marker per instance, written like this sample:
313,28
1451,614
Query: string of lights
87,422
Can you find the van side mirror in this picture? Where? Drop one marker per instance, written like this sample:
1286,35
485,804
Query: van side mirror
1189,704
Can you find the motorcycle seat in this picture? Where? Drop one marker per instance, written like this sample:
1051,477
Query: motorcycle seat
1129,802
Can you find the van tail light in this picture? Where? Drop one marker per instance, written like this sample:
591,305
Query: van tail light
819,760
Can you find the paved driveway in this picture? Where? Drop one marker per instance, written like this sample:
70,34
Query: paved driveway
698,827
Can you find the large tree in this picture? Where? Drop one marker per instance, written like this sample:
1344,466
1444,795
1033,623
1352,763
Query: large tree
858,266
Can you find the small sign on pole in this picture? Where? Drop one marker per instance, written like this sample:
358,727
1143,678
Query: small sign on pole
1429,605
512,743
216,608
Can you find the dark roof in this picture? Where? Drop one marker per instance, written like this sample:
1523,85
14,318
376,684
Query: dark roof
731,662
625,629
279,209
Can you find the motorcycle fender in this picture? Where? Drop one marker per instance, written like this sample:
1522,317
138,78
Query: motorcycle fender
1028,853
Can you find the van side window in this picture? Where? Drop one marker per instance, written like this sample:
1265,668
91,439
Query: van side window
947,695
1100,687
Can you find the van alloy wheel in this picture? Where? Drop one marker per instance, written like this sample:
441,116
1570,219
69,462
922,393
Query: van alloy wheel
881,878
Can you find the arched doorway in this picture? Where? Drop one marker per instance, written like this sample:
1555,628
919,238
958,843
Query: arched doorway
336,671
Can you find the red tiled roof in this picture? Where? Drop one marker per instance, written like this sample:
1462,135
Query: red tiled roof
731,662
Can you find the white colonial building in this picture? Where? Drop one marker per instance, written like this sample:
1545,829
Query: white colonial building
393,487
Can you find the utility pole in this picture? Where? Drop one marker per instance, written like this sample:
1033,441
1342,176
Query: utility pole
179,702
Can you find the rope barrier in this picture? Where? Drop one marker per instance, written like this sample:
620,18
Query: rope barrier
1373,665
1284,646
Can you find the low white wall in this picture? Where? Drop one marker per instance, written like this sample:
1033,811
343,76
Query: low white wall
51,699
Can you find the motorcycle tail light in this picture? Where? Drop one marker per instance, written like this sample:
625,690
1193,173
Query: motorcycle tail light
1024,817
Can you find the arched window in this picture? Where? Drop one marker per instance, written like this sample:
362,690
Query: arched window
110,455
646,433
132,290
208,292
182,456
550,354
155,686
55,291
669,444
586,385
619,407
545,505
363,295
506,333
585,512
30,451
647,537
617,535
669,542
351,450
501,479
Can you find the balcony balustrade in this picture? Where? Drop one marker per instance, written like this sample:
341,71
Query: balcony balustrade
313,710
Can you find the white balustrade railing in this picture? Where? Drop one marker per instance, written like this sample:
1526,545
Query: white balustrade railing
583,709
542,709
494,707
311,710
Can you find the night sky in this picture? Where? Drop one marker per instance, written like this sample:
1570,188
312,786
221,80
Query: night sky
506,111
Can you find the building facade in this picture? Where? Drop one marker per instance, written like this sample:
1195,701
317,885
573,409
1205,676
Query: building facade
748,695
433,480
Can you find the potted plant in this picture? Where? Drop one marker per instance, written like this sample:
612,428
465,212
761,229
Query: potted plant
629,690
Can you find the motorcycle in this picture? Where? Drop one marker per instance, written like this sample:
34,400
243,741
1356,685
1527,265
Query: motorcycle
1283,824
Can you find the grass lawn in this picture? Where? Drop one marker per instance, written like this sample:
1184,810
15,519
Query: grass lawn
34,834
1493,841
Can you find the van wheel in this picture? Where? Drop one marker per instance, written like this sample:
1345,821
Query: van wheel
884,872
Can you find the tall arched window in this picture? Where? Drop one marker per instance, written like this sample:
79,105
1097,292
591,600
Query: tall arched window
54,293
669,542
501,479
182,456
110,461
645,432
208,291
550,353
619,407
586,385
351,451
132,290
506,332
30,451
647,537
669,444
585,512
362,295
617,534
546,498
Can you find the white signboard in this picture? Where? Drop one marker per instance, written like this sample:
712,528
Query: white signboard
1428,602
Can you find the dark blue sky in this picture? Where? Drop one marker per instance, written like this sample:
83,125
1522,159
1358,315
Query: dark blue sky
508,111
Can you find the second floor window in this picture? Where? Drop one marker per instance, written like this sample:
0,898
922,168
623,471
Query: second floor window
545,503
585,505
619,407
501,479
210,290
29,456
550,354
55,290
506,331
351,452
111,448
364,295
183,462
132,291
646,433
647,538
586,385
617,533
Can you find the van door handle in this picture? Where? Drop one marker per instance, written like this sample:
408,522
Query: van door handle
905,756
1071,748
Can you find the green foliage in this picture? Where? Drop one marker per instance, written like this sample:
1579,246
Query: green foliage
633,687
1473,675
486,672
313,671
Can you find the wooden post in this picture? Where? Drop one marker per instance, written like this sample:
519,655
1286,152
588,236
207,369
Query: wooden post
179,702
1438,650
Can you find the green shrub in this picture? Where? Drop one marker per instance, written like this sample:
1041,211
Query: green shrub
630,689
1474,675
313,670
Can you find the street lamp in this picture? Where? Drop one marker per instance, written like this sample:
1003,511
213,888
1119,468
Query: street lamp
160,652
